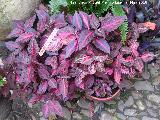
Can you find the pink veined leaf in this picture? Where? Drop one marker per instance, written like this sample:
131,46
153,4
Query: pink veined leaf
112,22
26,75
52,83
69,18
85,19
33,48
66,34
46,110
124,70
94,21
42,87
49,41
43,72
18,24
77,21
109,71
79,79
29,23
102,44
53,61
84,59
100,58
16,32
138,64
85,37
134,47
52,107
43,20
70,48
89,81
41,26
147,56
42,15
28,35
117,75
23,57
60,21
63,87
63,67
12,45
100,33
92,69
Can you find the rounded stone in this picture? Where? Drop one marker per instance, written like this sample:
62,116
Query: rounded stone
121,116
105,115
14,10
76,116
154,98
140,105
143,85
130,112
129,102
148,118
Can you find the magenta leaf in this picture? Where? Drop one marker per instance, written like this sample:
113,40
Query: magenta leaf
63,87
60,21
26,75
147,56
16,32
89,81
102,44
43,20
138,64
53,61
46,110
77,21
52,107
112,22
66,34
85,19
12,45
69,18
23,57
29,23
94,21
117,75
33,48
100,33
70,48
43,72
84,59
52,83
85,37
42,87
134,46
25,37
18,24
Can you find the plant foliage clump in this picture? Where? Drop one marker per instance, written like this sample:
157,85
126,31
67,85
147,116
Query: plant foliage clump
53,58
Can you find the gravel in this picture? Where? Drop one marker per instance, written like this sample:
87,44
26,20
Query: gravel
130,112
154,98
143,85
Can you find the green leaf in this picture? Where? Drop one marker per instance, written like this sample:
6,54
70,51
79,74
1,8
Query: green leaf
118,10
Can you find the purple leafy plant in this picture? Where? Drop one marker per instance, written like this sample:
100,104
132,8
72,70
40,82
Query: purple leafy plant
55,57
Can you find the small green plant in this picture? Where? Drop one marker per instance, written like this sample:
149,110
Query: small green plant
2,81
56,5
